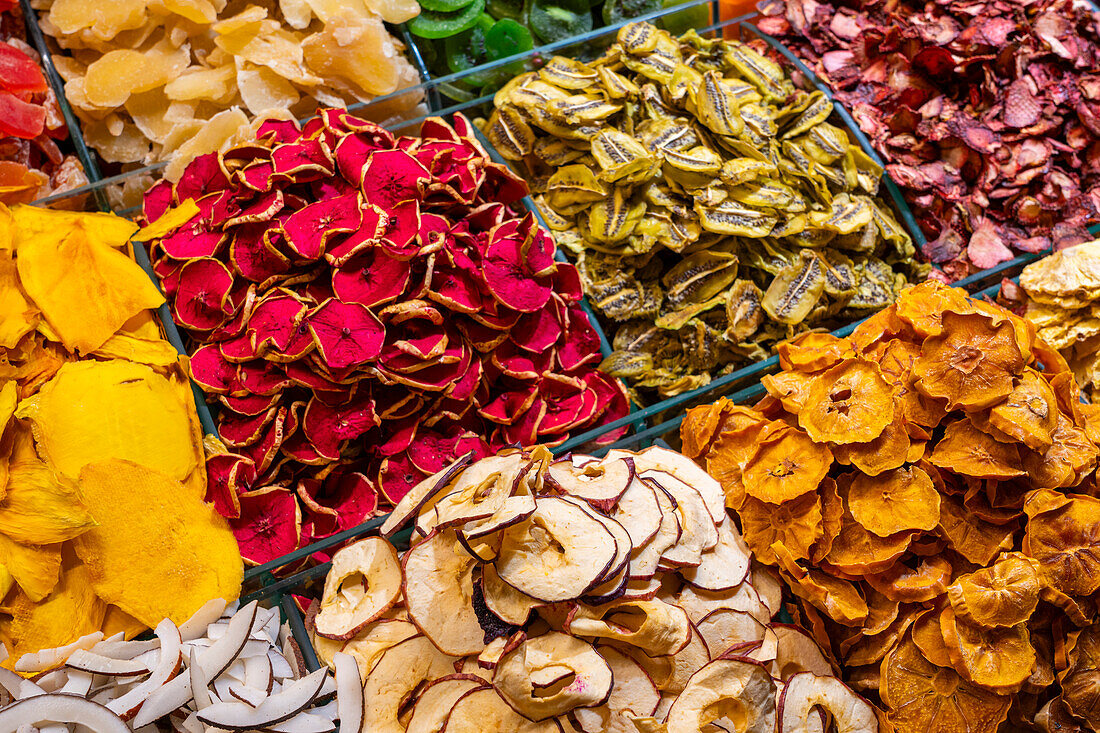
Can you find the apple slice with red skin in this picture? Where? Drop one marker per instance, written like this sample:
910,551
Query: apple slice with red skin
504,601
655,627
699,602
598,482
483,710
700,533
633,695
683,468
724,629
399,672
436,701
724,566
687,662
30,712
557,553
726,688
477,493
796,651
805,692
623,545
513,511
639,512
438,587
423,493
363,583
371,643
587,681
645,561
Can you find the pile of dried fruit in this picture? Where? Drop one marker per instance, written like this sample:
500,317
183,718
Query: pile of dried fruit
590,594
712,208
368,308
988,114
1063,302
152,81
924,489
222,669
31,163
102,477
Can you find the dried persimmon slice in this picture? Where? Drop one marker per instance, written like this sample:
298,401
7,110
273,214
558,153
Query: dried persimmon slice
913,585
795,524
999,659
849,403
1004,594
1063,540
968,451
1029,413
895,501
1080,690
924,306
813,351
785,466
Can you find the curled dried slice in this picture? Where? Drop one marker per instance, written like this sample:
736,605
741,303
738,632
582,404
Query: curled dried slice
580,676
998,659
805,692
898,500
1061,537
849,403
969,451
734,689
364,582
785,466
1029,414
1078,680
795,524
1004,594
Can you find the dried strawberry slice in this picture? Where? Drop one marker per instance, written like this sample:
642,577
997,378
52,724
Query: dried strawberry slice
269,525
347,334
371,279
202,294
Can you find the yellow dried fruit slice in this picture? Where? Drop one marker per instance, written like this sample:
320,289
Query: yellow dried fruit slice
966,450
849,403
895,501
921,697
70,611
795,524
113,77
116,620
785,466
1004,594
998,659
85,289
40,508
34,567
18,315
157,551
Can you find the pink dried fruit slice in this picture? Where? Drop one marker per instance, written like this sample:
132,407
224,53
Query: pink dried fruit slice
228,476
211,370
508,407
392,176
269,525
254,258
347,334
262,378
249,404
371,279
262,209
204,175
397,475
274,321
326,426
307,230
507,279
537,332
302,159
372,226
202,294
581,345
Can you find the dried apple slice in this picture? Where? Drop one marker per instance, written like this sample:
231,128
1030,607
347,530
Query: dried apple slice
726,688
557,554
434,705
369,645
438,587
723,567
646,559
418,496
478,493
598,482
699,531
656,627
724,629
27,713
686,662
483,710
683,468
364,583
698,602
586,682
805,692
623,545
796,651
633,695
514,510
400,671
504,601
638,511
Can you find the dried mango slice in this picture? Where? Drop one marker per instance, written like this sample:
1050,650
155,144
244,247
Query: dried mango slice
39,508
112,78
785,466
921,697
972,363
116,620
138,411
849,403
35,568
157,551
795,524
968,451
1062,539
998,659
85,289
18,315
1004,594
70,611
895,501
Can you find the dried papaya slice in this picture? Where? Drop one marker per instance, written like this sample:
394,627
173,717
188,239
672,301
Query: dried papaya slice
966,450
997,659
1063,540
785,465
972,363
1080,691
849,403
795,524
922,697
1003,594
898,500
913,585
1029,414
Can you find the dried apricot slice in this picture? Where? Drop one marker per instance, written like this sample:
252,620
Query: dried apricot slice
1004,594
849,403
972,363
795,524
998,659
921,697
895,501
785,466
968,451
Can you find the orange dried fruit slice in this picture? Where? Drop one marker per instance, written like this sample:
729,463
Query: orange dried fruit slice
975,539
897,359
832,510
881,327
895,501
968,451
972,364
1003,594
999,659
871,648
855,551
849,403
881,611
914,585
795,524
813,351
729,453
839,599
1071,457
1063,540
786,465
888,451
921,697
922,306
929,639
1030,412
790,388
1080,688
699,428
